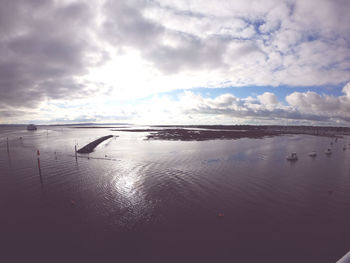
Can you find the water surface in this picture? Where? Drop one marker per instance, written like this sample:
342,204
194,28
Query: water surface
133,200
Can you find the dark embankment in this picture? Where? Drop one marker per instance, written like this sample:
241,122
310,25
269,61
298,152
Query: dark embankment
91,146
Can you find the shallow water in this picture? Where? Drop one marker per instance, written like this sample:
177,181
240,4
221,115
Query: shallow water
133,200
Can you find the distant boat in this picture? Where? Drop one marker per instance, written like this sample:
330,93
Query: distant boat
328,151
313,154
292,157
31,127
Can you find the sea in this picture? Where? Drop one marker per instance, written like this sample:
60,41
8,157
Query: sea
138,200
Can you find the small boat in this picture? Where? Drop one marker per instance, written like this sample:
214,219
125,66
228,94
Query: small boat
313,154
328,151
292,157
31,127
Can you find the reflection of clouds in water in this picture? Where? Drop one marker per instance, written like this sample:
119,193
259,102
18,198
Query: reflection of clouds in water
211,161
236,157
250,157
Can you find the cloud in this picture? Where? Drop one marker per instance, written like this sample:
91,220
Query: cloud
255,43
322,105
168,49
301,106
268,98
44,47
265,106
308,108
75,50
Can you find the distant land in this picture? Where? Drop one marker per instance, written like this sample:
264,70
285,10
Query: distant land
213,132
208,132
67,124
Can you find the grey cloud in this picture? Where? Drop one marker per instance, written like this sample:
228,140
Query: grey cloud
263,114
310,38
125,24
12,113
193,54
44,46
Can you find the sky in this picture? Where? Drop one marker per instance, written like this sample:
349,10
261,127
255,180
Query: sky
175,61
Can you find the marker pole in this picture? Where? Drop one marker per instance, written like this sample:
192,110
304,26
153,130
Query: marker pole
38,154
76,156
7,142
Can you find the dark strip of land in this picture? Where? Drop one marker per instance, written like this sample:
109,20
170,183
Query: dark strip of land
214,132
92,145
200,135
137,130
204,135
99,127
317,130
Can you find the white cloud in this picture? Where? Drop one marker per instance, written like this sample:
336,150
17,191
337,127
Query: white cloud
196,36
124,50
268,98
322,105
191,108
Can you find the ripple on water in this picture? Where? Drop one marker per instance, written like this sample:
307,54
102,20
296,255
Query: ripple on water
184,186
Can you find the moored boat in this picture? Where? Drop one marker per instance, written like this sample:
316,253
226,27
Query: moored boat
312,154
328,151
292,157
31,127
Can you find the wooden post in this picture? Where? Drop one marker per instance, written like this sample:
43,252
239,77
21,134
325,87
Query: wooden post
76,156
38,154
7,142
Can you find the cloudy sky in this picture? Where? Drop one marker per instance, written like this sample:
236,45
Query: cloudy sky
175,61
